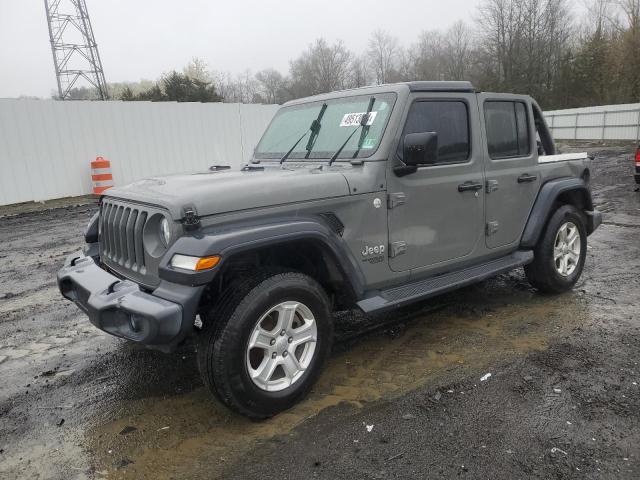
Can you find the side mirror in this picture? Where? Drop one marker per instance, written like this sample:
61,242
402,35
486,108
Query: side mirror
420,149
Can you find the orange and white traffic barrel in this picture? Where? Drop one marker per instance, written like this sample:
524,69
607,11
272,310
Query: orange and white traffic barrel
101,175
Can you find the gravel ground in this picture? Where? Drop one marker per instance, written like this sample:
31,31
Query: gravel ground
402,400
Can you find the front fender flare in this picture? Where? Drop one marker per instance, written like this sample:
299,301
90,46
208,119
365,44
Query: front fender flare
232,239
544,203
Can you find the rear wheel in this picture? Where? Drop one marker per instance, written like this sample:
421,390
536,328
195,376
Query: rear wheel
271,337
560,252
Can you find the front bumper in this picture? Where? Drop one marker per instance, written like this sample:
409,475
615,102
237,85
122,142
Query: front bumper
160,319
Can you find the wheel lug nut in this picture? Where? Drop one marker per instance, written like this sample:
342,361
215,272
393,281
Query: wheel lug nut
274,355
282,333
273,341
290,340
284,354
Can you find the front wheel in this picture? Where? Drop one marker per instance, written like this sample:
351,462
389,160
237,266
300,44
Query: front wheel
267,344
560,253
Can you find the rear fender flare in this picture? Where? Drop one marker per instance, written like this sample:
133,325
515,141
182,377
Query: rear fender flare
543,206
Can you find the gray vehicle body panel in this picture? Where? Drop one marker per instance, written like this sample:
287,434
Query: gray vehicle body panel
509,205
217,192
443,230
435,239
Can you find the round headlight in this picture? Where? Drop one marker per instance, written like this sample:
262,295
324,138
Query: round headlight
165,232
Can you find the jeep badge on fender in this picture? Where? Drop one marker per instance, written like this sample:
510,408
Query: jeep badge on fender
370,251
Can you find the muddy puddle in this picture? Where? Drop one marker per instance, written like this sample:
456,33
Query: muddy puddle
192,435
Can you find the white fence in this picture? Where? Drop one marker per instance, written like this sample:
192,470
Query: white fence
46,146
609,122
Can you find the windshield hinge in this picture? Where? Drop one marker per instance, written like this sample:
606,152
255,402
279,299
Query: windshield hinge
492,186
396,199
252,168
492,228
397,249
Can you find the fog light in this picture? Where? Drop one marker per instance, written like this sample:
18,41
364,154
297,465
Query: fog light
195,264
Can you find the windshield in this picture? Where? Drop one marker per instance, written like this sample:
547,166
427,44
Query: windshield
341,118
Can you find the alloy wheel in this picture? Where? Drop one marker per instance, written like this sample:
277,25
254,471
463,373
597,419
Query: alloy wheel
567,247
281,346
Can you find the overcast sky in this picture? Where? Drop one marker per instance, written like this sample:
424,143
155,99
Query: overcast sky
144,38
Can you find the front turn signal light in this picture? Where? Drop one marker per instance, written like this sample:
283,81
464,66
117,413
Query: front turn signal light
195,264
207,263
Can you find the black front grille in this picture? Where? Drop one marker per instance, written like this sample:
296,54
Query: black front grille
121,230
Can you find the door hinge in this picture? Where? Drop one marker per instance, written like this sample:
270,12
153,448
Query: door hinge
492,228
395,200
492,186
397,249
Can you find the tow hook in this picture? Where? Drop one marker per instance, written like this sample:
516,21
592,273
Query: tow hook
112,287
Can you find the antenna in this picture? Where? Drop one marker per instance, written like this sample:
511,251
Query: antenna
74,48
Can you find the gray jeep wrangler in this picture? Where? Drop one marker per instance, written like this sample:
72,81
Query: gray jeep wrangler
370,198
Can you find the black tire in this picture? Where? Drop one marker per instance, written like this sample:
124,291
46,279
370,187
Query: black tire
223,342
543,273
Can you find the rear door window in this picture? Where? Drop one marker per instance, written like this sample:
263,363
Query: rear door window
508,134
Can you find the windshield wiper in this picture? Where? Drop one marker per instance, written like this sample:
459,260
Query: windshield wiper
314,129
365,131
286,155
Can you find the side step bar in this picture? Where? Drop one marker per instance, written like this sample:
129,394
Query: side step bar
422,289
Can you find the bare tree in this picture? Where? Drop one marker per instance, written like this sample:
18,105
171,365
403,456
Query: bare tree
457,51
273,85
322,68
523,43
360,75
383,49
600,15
426,56
630,61
555,33
525,46
501,22
197,69
631,9
242,88
404,69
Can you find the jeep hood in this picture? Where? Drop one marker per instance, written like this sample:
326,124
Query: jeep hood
229,191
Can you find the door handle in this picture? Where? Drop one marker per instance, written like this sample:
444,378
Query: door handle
470,186
526,178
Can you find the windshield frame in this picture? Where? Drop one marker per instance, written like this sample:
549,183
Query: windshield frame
390,97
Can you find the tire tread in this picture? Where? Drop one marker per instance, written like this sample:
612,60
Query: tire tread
541,273
222,329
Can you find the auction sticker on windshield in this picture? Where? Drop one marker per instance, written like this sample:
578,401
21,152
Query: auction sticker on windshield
354,119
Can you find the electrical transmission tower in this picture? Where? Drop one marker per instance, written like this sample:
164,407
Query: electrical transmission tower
74,48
